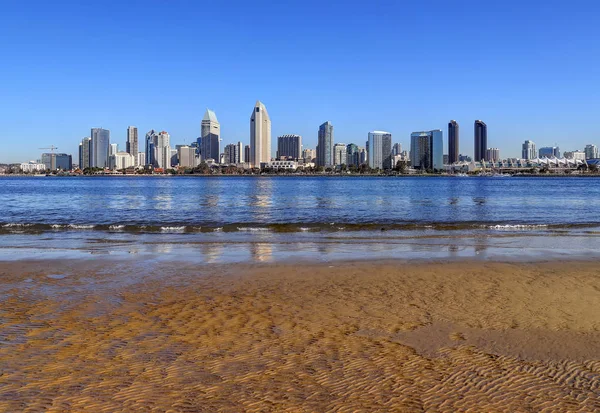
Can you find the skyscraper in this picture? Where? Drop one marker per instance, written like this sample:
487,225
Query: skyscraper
289,146
247,154
427,150
240,150
132,146
325,145
480,140
86,153
453,142
210,133
353,155
186,156
528,151
100,147
380,150
549,152
162,151
260,135
492,154
150,145
396,149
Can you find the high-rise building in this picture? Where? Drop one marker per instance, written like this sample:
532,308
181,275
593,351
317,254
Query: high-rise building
113,149
210,134
453,142
247,154
289,146
186,156
121,160
162,150
528,151
232,154
151,137
240,149
309,155
325,145
100,147
591,152
492,155
85,153
396,149
353,154
380,150
427,150
339,154
141,159
549,152
260,135
576,155
480,140
364,157
57,161
132,146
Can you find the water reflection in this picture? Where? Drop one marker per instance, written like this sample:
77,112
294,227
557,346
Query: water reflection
261,252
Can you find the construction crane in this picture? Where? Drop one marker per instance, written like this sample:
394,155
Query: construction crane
52,148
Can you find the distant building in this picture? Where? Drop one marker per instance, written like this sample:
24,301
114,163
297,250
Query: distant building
32,167
480,135
353,154
427,150
453,142
528,151
464,158
85,153
575,155
280,165
591,152
121,160
260,135
151,137
289,146
186,156
247,154
113,148
364,156
162,151
141,159
240,149
309,155
210,133
396,149
100,147
549,152
380,150
446,159
492,155
132,146
325,145
232,154
57,161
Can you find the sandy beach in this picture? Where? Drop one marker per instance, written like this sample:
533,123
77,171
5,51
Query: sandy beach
106,336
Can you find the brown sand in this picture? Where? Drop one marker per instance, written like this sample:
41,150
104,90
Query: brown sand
447,337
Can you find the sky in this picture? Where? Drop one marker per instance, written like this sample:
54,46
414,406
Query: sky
529,69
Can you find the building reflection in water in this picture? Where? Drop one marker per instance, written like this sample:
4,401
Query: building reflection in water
261,252
212,253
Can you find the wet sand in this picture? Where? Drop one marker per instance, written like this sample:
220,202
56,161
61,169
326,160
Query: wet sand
110,336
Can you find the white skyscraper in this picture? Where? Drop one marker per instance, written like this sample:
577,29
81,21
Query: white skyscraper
114,148
162,151
528,151
260,135
210,132
380,150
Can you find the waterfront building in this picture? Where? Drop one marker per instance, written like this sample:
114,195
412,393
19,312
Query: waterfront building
528,151
32,166
575,155
464,158
260,135
427,150
141,159
280,165
100,147
289,146
232,154
325,145
380,150
353,154
364,156
549,152
85,153
396,149
247,154
151,137
121,160
446,159
453,142
132,146
210,136
591,152
240,149
187,156
57,161
162,151
339,154
480,136
492,154
113,148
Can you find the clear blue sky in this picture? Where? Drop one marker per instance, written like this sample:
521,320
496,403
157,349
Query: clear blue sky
529,69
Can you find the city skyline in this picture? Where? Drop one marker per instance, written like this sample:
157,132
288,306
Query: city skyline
505,83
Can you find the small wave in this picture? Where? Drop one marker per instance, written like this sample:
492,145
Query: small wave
304,229
219,229
76,226
116,227
252,229
172,229
516,227
56,226
16,225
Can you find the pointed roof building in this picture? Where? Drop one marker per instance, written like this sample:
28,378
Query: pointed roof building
210,116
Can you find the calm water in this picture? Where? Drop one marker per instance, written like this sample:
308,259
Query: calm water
241,218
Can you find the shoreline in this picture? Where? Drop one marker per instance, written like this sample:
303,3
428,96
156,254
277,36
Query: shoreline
354,336
301,176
